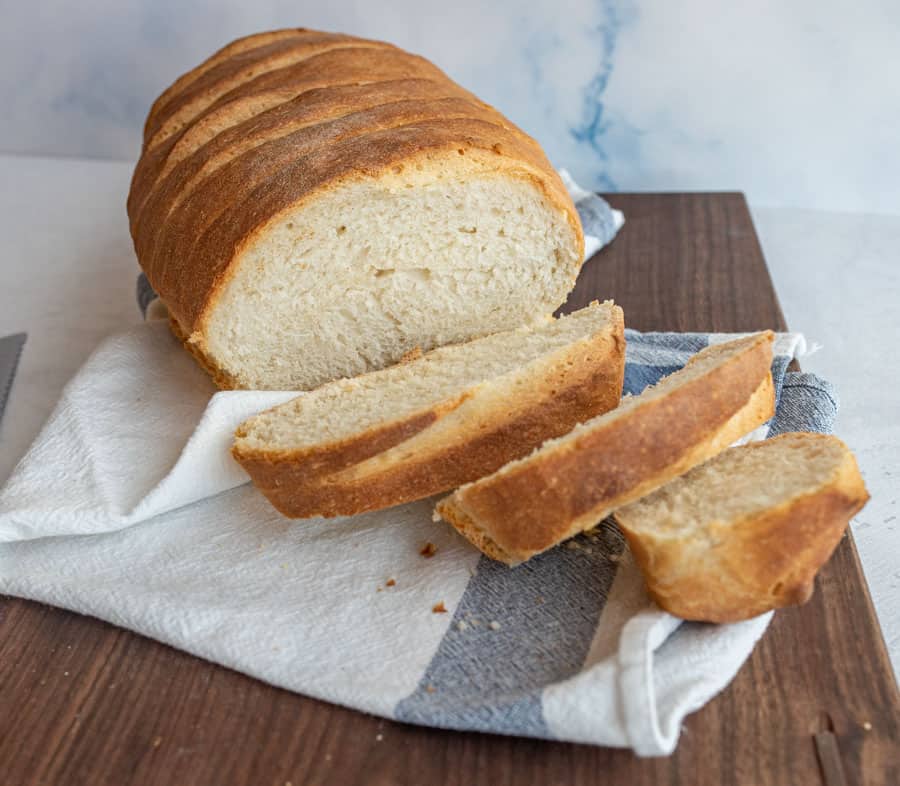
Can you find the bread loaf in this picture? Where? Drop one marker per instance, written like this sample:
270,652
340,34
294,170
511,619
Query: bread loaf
747,531
573,482
312,206
435,422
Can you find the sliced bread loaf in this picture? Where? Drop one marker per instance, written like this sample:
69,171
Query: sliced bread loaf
746,531
435,422
572,482
312,206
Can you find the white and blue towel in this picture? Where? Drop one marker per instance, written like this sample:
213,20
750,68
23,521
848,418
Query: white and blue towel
128,507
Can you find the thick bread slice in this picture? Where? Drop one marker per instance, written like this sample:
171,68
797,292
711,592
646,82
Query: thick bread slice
311,206
747,531
571,483
435,422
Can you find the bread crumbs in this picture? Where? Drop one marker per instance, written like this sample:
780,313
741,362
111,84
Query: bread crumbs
494,625
428,550
461,625
390,583
439,608
430,689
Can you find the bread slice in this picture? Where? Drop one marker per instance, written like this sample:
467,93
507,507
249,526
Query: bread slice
747,531
572,482
311,206
435,422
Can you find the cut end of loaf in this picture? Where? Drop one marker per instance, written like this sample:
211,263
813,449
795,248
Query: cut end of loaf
747,531
375,269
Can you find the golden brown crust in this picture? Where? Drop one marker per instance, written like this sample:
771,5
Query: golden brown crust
452,444
759,562
255,132
235,47
238,71
220,378
286,476
530,507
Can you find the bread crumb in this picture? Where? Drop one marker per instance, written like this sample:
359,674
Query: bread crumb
377,589
867,726
439,608
428,550
461,625
614,557
430,689
494,625
476,623
379,737
157,741
572,545
540,599
390,583
435,516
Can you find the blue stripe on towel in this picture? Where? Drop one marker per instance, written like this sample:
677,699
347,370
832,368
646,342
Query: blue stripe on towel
10,352
545,613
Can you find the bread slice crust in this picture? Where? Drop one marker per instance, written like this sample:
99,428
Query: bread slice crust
567,487
458,440
731,570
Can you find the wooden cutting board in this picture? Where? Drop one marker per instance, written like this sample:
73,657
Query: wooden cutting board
82,702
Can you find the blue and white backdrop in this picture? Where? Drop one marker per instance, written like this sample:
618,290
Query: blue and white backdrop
797,103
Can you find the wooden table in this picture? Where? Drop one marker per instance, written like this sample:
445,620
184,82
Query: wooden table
83,702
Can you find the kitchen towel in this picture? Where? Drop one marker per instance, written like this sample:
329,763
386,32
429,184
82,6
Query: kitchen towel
128,507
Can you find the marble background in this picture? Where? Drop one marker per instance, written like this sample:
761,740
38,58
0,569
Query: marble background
796,103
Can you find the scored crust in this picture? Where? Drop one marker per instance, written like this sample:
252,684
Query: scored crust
459,440
566,488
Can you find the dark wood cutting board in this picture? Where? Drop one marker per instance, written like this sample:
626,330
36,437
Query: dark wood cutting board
83,702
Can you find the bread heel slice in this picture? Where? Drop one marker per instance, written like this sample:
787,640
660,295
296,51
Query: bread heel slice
571,483
436,421
747,531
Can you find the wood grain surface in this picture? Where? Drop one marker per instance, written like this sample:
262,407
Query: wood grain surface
83,702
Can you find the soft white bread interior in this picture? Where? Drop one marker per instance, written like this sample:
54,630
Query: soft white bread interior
572,482
747,531
436,421
418,267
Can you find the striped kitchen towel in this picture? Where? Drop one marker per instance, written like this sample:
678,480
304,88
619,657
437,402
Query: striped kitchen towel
154,528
